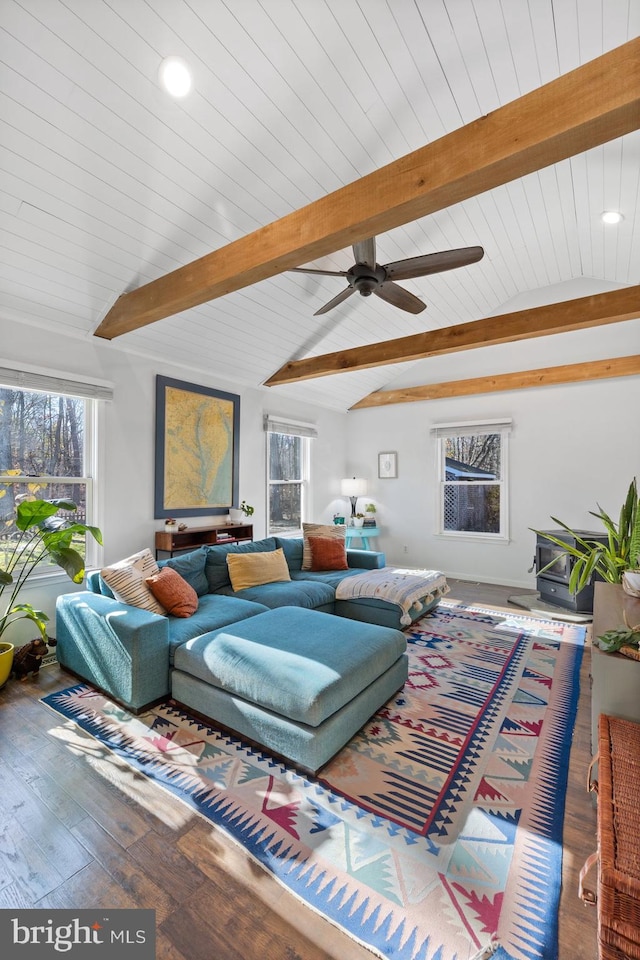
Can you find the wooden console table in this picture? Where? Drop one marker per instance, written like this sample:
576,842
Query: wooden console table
193,537
615,679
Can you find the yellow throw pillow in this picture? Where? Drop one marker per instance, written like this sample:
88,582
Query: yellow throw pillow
336,531
254,569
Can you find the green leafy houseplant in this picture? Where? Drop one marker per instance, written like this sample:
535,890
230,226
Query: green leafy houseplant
613,640
247,509
42,535
609,560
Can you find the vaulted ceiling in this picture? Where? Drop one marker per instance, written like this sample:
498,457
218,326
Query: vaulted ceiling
108,184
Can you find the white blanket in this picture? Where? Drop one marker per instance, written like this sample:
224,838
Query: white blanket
406,588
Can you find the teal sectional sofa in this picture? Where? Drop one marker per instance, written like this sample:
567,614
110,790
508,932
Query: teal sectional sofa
139,658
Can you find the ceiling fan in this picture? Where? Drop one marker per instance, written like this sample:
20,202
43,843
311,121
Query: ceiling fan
366,276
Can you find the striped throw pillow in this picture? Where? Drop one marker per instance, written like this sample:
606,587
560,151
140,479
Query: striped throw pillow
126,578
333,531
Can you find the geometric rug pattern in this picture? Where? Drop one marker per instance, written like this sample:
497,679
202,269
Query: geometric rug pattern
436,833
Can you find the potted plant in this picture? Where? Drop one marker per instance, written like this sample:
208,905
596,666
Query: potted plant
631,576
358,519
611,560
42,535
241,513
370,515
626,640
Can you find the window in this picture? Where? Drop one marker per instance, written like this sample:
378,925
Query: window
47,450
288,474
472,479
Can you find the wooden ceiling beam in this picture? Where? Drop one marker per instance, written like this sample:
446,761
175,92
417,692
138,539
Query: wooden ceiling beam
563,317
525,379
595,103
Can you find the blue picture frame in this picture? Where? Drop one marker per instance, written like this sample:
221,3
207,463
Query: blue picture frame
197,449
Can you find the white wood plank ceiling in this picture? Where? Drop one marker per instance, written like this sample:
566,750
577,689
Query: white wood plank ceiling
107,183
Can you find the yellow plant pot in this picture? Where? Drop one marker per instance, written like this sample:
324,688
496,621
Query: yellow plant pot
6,661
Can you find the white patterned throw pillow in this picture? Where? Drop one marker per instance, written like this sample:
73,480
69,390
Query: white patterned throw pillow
126,579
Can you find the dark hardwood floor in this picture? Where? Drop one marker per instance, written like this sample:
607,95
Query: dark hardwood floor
81,829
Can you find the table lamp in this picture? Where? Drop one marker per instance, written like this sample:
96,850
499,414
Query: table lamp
353,487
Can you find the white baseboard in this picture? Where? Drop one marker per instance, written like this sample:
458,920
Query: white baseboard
529,584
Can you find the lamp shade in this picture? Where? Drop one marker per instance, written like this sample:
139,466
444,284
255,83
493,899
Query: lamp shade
353,487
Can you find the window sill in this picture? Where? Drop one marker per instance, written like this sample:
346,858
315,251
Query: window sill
474,538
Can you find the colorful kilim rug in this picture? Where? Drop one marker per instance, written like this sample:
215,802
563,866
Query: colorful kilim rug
436,833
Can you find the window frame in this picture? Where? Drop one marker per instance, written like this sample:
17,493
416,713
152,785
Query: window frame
305,433
93,414
473,428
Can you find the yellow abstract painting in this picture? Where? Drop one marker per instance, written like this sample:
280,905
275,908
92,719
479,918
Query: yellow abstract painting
199,430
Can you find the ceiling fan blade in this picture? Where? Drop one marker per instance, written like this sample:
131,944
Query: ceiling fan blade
433,263
336,300
365,252
322,273
399,297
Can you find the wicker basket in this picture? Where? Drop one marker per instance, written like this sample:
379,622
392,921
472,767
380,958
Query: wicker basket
618,839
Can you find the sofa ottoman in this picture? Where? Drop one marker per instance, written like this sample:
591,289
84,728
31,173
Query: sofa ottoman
299,682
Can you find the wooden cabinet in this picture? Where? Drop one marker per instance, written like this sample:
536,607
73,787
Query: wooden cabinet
615,679
193,537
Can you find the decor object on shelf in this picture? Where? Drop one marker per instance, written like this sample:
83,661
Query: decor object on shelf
338,519
43,535
197,449
609,560
170,524
358,519
631,582
238,514
388,465
370,515
353,487
625,641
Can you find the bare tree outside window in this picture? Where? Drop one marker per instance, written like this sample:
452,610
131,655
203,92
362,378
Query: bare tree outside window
287,462
473,498
42,446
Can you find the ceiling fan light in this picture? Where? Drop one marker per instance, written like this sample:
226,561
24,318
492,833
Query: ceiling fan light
175,76
612,216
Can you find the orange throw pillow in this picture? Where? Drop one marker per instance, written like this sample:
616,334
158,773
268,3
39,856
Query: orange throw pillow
328,553
174,593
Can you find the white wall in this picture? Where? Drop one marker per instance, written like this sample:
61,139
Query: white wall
571,447
128,440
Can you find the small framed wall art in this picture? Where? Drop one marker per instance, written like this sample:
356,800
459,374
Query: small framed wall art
387,465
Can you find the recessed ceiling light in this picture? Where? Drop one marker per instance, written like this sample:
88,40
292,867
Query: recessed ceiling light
175,76
612,216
